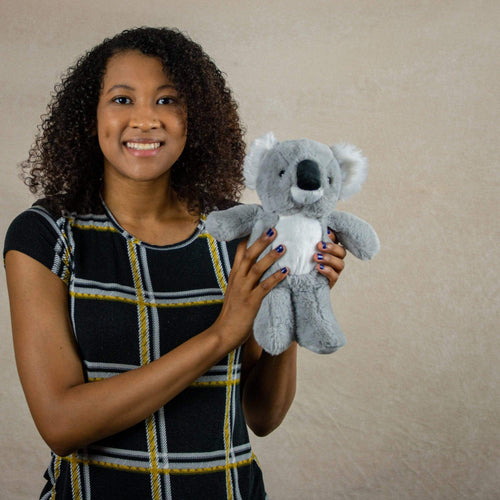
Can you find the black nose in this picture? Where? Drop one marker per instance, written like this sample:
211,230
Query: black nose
308,176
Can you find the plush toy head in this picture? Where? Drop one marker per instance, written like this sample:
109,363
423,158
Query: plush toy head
303,175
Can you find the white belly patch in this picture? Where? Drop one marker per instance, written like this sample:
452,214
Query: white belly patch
299,235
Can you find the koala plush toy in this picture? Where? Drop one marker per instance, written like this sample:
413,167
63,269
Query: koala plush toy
299,182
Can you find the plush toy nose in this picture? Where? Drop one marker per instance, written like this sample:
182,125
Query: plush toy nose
308,176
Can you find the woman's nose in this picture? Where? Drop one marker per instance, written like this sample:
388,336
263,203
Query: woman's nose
144,118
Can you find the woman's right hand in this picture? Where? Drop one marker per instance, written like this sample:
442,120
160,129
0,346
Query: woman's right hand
245,290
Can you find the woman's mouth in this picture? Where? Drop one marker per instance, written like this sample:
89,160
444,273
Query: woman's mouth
143,149
143,146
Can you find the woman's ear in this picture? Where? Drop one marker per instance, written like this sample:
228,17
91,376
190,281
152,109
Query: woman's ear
93,129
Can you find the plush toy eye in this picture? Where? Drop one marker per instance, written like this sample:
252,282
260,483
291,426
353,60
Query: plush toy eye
282,173
330,180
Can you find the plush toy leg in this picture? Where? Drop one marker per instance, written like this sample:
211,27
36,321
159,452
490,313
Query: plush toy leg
317,328
274,325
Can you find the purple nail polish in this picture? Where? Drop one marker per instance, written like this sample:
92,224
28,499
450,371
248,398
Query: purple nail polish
270,232
321,266
323,245
329,232
284,270
279,248
320,256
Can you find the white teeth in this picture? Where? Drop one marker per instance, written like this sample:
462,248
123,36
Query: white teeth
143,146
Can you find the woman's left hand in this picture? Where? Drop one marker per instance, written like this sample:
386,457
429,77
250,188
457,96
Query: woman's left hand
330,259
269,382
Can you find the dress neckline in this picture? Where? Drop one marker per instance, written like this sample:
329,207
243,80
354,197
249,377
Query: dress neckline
133,239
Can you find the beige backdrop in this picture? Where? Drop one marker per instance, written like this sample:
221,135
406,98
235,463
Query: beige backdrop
409,409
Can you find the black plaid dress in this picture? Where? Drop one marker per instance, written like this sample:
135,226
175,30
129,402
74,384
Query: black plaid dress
131,302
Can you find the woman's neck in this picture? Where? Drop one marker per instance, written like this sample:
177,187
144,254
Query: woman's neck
150,211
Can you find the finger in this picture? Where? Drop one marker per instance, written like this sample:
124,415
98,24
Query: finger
261,266
238,259
332,249
331,235
265,286
240,252
253,251
334,237
332,261
329,273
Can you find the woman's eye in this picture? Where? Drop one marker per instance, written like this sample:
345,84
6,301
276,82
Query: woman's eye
122,100
166,100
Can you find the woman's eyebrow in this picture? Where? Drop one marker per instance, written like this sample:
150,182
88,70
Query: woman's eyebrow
124,86
167,86
120,86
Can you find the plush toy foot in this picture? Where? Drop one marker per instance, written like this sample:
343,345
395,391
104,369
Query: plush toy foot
317,328
274,325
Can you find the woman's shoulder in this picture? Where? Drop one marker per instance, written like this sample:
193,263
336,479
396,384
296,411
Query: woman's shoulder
38,232
36,218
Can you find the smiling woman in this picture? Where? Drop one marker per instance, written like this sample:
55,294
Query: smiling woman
141,128
141,119
66,164
132,327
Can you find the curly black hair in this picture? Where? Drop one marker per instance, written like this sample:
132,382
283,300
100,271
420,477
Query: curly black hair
65,164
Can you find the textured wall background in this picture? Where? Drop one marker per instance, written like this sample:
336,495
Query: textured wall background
409,409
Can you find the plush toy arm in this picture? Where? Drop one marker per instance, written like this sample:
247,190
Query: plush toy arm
354,234
235,222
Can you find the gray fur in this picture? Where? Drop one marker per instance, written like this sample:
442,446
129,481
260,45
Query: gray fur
299,308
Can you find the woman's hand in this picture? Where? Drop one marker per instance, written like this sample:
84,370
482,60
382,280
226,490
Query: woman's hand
330,259
245,291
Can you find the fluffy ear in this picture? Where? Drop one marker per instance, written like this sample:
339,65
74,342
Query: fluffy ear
253,159
354,168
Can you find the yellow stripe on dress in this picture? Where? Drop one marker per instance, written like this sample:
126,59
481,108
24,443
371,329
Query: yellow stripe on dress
145,359
57,471
227,435
96,296
92,227
172,471
216,262
66,257
75,478
214,383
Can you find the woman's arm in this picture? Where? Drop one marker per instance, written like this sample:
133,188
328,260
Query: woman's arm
62,404
269,382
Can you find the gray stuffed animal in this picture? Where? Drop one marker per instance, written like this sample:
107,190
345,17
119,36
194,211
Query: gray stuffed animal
299,182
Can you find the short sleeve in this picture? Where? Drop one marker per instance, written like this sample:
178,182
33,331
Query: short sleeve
42,237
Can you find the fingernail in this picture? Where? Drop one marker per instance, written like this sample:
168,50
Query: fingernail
270,232
320,256
284,270
323,245
279,248
321,266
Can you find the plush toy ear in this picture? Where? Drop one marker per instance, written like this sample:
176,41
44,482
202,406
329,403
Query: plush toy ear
253,159
354,168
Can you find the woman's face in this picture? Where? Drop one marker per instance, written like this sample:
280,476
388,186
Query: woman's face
141,119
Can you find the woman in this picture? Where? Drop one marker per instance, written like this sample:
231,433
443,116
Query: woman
132,326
